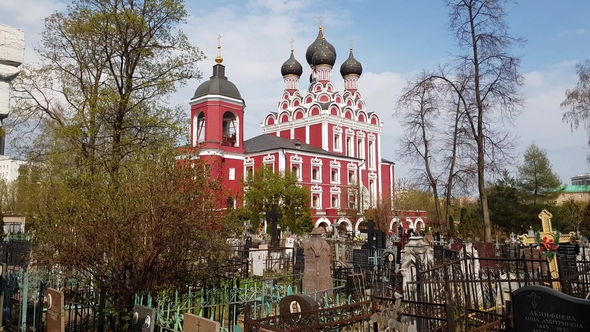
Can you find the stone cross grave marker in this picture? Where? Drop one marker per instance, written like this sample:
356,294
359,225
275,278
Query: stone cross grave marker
55,311
144,319
317,276
194,323
542,309
274,217
550,234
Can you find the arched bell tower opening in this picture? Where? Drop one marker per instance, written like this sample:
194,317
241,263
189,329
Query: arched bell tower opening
230,126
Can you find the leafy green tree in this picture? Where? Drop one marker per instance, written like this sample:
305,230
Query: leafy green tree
573,215
264,188
536,178
108,196
505,204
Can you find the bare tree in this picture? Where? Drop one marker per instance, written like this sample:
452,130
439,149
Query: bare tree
482,34
436,139
577,101
486,83
419,110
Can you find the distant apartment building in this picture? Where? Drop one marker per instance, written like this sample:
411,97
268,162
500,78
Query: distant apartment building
9,168
578,191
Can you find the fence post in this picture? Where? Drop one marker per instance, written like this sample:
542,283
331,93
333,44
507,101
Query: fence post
39,307
101,309
449,306
25,296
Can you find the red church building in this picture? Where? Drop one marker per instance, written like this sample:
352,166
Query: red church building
327,137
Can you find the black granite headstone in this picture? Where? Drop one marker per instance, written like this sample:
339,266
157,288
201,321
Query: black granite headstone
360,258
299,261
542,309
144,319
438,252
566,259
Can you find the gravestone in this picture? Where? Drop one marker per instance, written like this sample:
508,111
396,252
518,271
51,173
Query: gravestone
299,261
273,216
258,258
542,309
55,311
360,259
438,252
194,323
567,265
538,260
144,319
486,250
355,286
566,260
292,304
317,276
375,237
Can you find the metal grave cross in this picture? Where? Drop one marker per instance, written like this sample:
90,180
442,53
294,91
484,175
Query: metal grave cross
274,217
550,234
548,231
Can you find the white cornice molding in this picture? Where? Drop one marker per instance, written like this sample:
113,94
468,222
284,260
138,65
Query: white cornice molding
235,101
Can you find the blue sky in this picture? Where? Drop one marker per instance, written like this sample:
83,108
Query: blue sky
393,39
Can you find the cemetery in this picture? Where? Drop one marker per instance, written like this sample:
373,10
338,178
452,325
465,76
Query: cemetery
335,277
332,281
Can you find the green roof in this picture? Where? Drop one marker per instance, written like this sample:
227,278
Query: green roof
575,189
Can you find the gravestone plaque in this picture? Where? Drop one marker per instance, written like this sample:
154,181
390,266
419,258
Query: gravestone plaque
144,319
360,259
542,309
566,260
55,311
194,323
299,261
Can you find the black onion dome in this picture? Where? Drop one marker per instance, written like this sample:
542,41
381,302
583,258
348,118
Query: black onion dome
291,67
351,66
218,84
315,46
324,55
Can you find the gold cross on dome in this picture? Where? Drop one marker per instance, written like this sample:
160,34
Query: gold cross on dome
320,20
218,59
351,40
292,41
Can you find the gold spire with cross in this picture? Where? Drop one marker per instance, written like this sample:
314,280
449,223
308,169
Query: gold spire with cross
292,41
320,20
219,59
351,40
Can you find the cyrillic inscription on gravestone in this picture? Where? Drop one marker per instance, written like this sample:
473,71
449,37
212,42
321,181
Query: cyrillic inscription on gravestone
55,311
360,258
194,323
542,309
144,319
